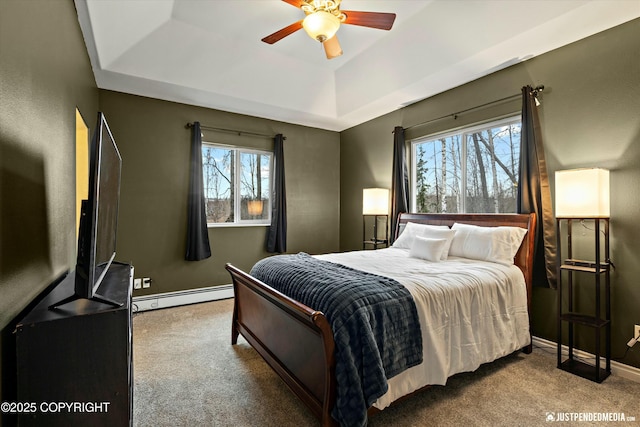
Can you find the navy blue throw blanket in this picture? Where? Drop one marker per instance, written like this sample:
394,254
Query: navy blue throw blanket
374,321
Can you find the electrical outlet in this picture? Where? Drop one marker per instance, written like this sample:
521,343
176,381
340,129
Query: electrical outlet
137,283
636,336
146,282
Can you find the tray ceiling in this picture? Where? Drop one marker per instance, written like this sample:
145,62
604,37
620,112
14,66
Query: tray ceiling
209,53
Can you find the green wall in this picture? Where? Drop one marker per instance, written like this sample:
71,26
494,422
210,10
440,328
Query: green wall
155,147
44,75
590,116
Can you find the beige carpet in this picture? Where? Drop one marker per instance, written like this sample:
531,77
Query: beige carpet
187,373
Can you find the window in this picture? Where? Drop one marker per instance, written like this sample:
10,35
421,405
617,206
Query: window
472,170
237,185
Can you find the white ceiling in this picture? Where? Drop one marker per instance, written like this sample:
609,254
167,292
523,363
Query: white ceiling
208,52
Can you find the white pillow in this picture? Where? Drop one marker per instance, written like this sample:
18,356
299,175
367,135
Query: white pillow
427,248
494,244
440,233
412,229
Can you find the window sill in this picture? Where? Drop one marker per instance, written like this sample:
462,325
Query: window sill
233,224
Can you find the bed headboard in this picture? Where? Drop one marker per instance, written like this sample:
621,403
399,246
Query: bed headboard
524,256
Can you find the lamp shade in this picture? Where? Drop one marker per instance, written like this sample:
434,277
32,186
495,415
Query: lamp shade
582,193
321,25
254,207
375,201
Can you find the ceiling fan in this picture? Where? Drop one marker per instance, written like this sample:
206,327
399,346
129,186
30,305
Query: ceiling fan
323,21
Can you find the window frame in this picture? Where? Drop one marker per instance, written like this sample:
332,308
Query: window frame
237,202
463,131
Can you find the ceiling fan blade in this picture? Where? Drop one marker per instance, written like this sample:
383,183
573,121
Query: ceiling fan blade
379,20
280,34
296,3
332,47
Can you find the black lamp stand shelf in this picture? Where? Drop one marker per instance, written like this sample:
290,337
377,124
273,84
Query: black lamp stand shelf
375,242
601,325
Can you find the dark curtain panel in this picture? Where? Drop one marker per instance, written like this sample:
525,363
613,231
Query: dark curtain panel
277,235
534,194
197,234
400,184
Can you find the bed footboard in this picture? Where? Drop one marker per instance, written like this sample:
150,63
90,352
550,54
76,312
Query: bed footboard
296,341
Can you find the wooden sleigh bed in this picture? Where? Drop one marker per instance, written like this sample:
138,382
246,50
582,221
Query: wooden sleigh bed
297,341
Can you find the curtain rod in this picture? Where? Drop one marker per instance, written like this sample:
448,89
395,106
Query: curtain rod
235,131
534,92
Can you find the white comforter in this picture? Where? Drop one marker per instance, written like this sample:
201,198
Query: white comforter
471,312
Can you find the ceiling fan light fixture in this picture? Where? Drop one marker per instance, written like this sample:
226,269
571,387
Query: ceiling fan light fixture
323,19
332,47
321,25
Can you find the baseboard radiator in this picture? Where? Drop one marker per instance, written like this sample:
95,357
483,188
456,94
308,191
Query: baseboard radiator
173,299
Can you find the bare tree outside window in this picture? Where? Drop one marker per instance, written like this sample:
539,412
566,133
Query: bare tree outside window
218,177
437,185
473,170
254,180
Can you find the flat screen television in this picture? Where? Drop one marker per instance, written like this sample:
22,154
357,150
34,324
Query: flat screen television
98,217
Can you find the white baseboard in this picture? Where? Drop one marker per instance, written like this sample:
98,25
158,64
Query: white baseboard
617,368
173,299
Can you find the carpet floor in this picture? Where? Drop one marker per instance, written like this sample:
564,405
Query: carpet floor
187,373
